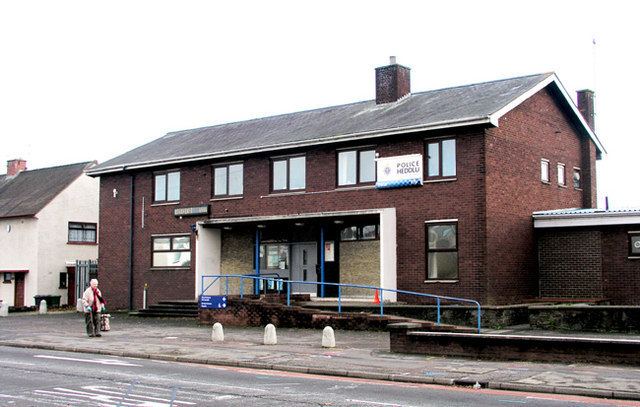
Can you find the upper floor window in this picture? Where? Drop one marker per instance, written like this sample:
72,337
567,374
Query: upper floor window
288,173
561,175
634,244
356,167
171,251
442,251
167,186
227,180
544,170
441,158
82,232
577,178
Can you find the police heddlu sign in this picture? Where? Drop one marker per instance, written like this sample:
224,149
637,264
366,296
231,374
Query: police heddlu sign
398,172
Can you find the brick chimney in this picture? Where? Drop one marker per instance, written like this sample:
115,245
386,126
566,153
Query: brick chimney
392,82
586,106
15,166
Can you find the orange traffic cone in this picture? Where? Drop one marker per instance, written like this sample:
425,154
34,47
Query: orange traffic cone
376,298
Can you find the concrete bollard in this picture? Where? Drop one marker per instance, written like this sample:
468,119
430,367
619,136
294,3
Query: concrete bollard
328,337
43,307
79,306
270,337
217,333
4,309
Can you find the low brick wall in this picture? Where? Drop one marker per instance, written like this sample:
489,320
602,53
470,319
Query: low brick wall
595,318
405,339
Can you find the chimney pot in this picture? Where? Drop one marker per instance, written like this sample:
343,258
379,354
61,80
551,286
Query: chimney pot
586,107
393,82
15,166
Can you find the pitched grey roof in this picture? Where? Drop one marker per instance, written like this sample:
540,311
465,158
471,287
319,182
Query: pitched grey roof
457,106
26,193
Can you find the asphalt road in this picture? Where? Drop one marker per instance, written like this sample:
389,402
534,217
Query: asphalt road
30,377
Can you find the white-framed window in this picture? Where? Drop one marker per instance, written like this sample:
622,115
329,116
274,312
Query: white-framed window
166,186
544,170
562,176
634,244
82,232
577,178
228,180
171,251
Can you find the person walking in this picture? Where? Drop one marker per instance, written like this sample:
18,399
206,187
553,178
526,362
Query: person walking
92,302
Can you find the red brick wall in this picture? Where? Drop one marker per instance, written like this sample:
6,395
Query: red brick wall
589,262
495,270
536,129
621,275
570,263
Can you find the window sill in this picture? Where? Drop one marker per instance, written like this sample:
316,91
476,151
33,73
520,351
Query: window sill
168,268
226,198
577,189
62,288
83,243
354,187
562,186
441,281
287,193
6,282
433,181
545,182
165,203
633,257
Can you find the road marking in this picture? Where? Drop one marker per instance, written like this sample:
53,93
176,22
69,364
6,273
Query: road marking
112,398
111,362
376,403
514,401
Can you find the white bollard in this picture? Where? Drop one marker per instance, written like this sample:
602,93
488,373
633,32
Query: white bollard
217,333
328,337
4,309
270,337
43,307
79,306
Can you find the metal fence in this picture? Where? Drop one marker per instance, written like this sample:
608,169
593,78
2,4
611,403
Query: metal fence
85,271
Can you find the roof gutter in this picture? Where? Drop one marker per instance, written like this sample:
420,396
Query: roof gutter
306,143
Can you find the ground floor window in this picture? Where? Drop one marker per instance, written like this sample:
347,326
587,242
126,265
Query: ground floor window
274,256
442,251
63,280
6,278
171,251
634,244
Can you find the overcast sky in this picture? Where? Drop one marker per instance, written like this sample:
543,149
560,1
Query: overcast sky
86,80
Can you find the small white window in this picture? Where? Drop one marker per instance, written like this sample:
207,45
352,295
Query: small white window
561,175
544,170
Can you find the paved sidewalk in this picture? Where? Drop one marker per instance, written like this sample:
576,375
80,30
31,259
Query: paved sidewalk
358,354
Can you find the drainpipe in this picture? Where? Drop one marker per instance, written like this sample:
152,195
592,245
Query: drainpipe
256,289
132,191
322,261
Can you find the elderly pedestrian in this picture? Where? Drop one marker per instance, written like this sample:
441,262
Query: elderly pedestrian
93,303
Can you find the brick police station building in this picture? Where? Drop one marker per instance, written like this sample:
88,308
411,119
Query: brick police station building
430,192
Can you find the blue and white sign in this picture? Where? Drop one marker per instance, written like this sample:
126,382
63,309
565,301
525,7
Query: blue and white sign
399,172
213,301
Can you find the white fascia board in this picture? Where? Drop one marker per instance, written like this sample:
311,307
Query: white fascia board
246,219
307,143
576,221
552,78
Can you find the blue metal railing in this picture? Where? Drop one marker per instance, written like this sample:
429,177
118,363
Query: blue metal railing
278,282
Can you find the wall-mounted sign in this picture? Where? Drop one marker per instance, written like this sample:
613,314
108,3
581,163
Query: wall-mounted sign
399,172
192,211
329,251
213,302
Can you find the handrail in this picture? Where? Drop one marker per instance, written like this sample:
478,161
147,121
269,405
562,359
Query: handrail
381,291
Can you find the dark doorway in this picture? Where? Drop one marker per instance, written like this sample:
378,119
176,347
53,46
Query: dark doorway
18,294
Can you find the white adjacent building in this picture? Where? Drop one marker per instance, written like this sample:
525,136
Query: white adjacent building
48,220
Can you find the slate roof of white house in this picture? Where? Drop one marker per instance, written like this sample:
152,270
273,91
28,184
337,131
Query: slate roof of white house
481,103
26,193
575,217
